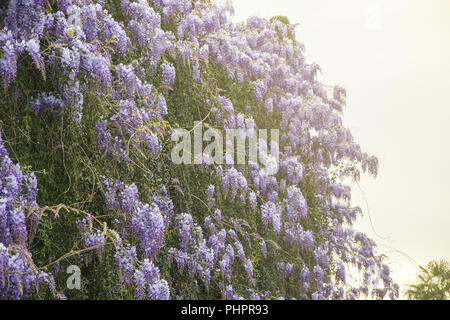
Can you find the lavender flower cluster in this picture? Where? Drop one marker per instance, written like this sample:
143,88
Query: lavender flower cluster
19,277
145,225
144,222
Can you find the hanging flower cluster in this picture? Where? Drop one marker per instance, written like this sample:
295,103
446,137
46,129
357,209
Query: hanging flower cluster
19,277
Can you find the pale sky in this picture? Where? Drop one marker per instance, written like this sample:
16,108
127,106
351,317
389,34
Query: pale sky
393,57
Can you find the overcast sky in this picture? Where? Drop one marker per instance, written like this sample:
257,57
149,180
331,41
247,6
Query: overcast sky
393,57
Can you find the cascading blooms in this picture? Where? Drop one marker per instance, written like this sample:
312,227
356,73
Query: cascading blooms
82,42
19,277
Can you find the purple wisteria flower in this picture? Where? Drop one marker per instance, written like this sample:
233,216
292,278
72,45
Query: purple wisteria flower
168,76
210,196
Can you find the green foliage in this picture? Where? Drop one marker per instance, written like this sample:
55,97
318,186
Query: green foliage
433,282
282,19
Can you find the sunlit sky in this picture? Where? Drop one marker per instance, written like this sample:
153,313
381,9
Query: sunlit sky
393,57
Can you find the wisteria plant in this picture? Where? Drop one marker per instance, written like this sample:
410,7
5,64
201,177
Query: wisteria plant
92,91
